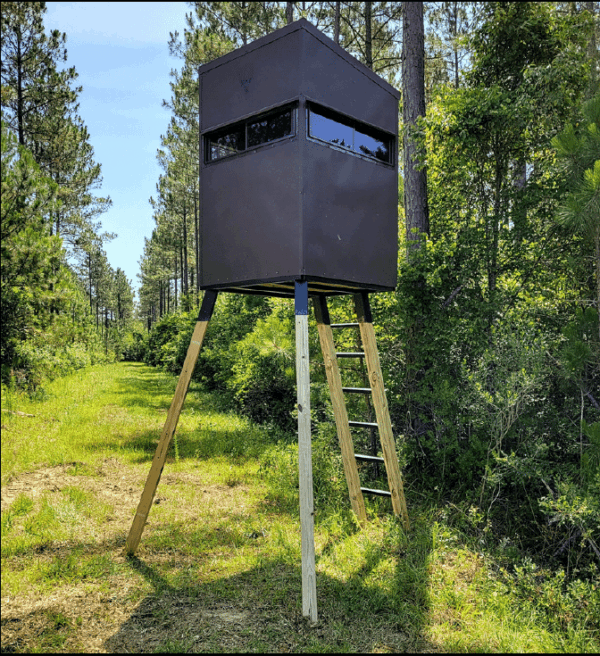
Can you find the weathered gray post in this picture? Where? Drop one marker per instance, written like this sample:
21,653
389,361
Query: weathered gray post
309,585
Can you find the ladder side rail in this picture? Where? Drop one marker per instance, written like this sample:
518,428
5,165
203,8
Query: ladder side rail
160,456
363,313
340,412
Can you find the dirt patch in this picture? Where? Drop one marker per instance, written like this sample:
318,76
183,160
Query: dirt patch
111,483
108,616
164,601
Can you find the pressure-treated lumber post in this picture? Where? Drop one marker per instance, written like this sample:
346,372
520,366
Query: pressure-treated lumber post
139,521
309,585
340,413
365,320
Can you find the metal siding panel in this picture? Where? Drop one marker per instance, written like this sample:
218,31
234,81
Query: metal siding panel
250,214
350,210
332,80
263,77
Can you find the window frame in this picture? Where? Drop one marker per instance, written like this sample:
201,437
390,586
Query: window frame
355,125
254,118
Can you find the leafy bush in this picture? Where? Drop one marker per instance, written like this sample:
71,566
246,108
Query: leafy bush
263,373
234,317
38,360
135,347
162,349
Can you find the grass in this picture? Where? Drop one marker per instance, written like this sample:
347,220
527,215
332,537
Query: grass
218,568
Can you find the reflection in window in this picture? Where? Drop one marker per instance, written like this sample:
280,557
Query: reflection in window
270,128
326,125
250,133
226,143
327,129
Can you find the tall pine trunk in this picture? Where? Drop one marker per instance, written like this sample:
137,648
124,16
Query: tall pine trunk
336,22
368,36
415,203
413,98
184,260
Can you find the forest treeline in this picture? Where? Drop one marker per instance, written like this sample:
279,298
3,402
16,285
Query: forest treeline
490,345
63,305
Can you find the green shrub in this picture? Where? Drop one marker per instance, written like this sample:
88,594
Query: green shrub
135,347
263,374
161,349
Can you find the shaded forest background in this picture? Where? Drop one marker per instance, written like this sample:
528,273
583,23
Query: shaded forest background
490,344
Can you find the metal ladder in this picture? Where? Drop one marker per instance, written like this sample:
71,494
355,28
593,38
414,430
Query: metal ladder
377,392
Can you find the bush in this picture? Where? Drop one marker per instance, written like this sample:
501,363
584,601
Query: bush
135,347
162,349
263,376
38,360
234,317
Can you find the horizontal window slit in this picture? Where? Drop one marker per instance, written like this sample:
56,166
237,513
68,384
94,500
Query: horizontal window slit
251,133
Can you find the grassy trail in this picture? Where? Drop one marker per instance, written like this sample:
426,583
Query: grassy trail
218,568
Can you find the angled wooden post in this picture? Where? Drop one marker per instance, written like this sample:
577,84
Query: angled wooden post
388,446
139,521
340,413
309,586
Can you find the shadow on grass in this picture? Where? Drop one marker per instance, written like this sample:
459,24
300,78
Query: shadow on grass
143,387
259,610
240,445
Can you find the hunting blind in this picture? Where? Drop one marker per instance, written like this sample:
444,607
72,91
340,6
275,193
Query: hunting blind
298,198
299,169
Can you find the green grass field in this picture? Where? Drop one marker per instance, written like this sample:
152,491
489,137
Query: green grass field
218,568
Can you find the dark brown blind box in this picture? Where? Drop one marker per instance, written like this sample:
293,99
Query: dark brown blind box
299,169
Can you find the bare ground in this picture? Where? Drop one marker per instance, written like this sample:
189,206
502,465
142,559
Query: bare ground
121,615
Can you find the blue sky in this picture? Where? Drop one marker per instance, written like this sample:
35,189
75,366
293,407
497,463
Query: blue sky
120,50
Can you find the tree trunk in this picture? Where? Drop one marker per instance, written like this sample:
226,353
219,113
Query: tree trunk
597,240
244,25
90,280
368,37
592,48
184,260
454,30
20,128
413,97
176,273
197,245
289,12
336,22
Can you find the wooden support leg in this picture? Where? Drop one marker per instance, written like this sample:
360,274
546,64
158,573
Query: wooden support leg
139,521
340,413
365,320
309,586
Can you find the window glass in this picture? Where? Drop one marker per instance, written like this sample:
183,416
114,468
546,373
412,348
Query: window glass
372,145
249,134
327,125
224,144
328,129
274,126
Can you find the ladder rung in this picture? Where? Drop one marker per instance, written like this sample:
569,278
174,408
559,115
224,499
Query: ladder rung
357,390
345,325
379,493
363,424
350,355
360,456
